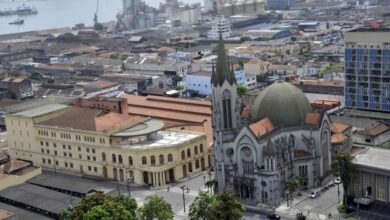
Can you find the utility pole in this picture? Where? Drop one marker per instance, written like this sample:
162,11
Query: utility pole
184,198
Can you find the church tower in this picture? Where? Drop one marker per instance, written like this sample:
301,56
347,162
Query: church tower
226,108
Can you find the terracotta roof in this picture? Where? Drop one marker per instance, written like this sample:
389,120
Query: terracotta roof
13,165
258,61
100,84
374,131
90,120
262,127
355,150
246,112
338,138
338,127
313,118
301,153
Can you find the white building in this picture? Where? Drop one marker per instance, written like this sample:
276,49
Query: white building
220,25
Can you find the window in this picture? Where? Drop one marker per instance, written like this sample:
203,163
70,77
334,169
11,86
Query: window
120,158
93,151
48,161
201,148
188,152
161,159
56,162
302,170
113,158
153,160
55,145
196,150
42,150
87,150
104,156
43,160
88,157
47,144
130,160
94,158
71,165
66,164
80,157
69,147
65,154
48,151
144,162
64,147
79,148
95,169
170,158
55,152
70,154
89,168
183,155
190,167
197,164
41,143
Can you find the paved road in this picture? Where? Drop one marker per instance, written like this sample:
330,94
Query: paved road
318,208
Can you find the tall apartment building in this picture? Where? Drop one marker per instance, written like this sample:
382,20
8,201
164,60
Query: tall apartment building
108,145
278,4
367,69
220,25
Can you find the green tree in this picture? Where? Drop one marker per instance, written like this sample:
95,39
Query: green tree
245,38
98,26
199,206
224,206
156,208
110,210
242,90
88,203
345,169
300,216
128,203
292,184
65,214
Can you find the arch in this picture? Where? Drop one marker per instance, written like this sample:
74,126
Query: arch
121,175
153,160
188,152
161,159
105,173
120,160
103,156
184,170
171,175
145,177
130,160
113,158
201,148
197,164
144,161
170,158
202,164
247,157
190,167
115,173
227,109
196,149
183,155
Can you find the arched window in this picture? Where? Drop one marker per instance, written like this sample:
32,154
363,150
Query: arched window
113,158
161,159
190,167
144,162
170,158
227,109
196,150
130,160
183,155
103,156
197,164
120,158
153,160
115,173
188,152
201,148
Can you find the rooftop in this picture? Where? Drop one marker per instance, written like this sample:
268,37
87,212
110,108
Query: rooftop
375,130
161,139
374,157
42,110
371,30
339,127
202,73
262,127
338,138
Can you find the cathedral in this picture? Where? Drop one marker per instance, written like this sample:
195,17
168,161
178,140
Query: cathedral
258,148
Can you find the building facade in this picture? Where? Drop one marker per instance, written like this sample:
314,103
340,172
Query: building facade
367,69
106,145
278,4
255,156
222,26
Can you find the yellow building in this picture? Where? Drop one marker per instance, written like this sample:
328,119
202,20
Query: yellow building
107,145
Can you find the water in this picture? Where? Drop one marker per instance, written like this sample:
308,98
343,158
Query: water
58,13
63,13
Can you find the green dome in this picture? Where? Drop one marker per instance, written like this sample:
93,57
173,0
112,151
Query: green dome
283,103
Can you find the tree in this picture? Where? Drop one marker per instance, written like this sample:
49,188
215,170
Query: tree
242,90
128,203
199,206
292,184
300,216
245,38
345,169
98,26
110,210
224,206
88,203
156,208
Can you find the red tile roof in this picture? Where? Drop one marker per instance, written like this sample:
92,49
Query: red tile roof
262,127
374,131
13,165
100,84
338,138
313,118
338,127
301,153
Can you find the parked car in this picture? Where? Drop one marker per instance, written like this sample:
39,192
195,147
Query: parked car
314,195
273,216
337,180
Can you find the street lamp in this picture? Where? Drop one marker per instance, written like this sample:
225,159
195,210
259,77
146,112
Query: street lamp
184,188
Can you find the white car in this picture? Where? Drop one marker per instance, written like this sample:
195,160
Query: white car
337,180
314,195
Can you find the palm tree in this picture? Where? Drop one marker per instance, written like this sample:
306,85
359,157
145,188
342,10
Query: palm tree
345,169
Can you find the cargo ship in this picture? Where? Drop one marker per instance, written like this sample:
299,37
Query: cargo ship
17,21
21,10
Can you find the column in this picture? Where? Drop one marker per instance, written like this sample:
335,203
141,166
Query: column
155,182
159,178
164,180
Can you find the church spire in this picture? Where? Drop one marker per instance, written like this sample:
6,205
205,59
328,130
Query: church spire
223,71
